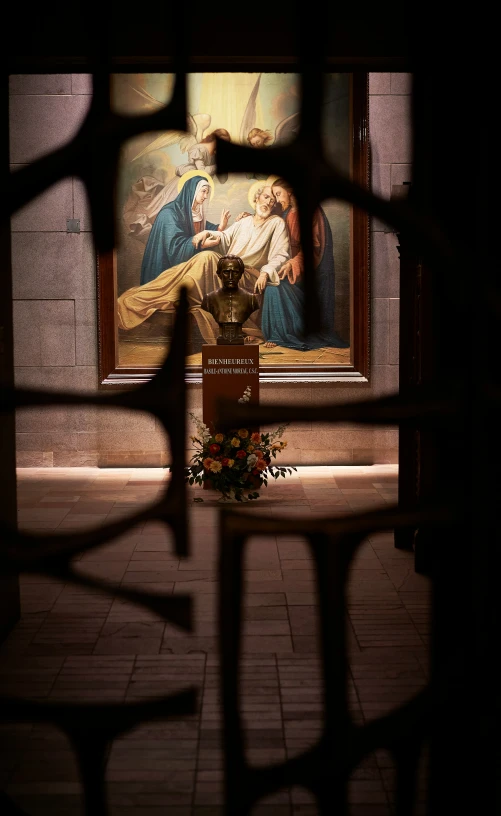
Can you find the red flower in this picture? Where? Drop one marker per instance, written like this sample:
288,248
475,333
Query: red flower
224,461
255,472
258,453
214,448
241,454
261,464
256,438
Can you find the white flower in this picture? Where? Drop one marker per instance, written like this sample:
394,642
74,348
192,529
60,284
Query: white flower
246,395
251,461
203,431
279,432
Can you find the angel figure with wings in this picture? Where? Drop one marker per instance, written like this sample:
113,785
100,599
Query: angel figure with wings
200,149
149,194
257,137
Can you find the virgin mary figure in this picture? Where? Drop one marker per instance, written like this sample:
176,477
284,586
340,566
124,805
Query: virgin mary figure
170,240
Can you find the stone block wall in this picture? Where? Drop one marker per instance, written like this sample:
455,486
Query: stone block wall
54,291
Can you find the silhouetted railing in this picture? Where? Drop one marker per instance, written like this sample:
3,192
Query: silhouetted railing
325,768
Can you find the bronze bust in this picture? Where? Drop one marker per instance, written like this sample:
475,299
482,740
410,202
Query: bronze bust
230,306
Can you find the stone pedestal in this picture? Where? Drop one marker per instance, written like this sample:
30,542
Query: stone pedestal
227,371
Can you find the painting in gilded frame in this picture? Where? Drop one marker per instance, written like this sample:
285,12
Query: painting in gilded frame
177,215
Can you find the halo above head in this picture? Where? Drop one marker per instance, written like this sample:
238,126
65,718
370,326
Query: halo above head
190,174
256,186
271,180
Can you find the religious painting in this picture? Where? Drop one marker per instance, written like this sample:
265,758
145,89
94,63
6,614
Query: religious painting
177,215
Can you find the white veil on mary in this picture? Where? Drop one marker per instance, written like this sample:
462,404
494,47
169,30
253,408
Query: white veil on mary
198,211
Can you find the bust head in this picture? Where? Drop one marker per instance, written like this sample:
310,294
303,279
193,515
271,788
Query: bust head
230,269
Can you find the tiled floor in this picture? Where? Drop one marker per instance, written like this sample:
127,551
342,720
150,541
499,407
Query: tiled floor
73,644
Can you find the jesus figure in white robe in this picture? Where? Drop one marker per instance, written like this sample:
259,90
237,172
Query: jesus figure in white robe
261,241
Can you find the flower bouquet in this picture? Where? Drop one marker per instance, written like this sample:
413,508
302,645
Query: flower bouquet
236,463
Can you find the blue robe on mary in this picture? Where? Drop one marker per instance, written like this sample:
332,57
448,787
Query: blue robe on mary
169,242
282,311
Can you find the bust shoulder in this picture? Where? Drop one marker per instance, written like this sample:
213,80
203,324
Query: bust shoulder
214,296
208,302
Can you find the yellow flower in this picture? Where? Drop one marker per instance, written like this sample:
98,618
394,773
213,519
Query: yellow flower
284,443
207,463
235,442
215,467
231,462
219,438
250,448
243,433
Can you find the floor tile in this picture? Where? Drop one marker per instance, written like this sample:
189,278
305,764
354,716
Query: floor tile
76,644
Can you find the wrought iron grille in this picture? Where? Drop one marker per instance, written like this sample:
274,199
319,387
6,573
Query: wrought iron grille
445,409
